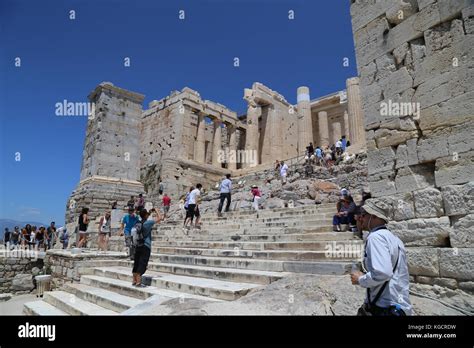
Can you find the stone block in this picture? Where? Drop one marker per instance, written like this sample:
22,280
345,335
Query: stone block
413,178
448,113
453,170
389,137
458,199
396,82
461,137
449,9
462,234
428,203
423,261
446,283
457,263
423,232
401,10
23,282
466,286
381,160
432,147
401,157
424,280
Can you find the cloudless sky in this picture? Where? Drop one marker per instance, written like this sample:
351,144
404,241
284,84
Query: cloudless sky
65,59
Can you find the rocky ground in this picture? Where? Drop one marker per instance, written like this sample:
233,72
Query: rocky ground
301,294
322,186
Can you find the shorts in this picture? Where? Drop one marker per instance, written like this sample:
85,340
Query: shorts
141,258
83,233
193,211
166,208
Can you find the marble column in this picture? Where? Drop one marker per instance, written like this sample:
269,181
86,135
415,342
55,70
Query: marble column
200,144
336,132
356,120
232,131
346,124
252,139
323,128
217,143
305,123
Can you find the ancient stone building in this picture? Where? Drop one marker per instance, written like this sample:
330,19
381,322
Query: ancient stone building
182,139
415,61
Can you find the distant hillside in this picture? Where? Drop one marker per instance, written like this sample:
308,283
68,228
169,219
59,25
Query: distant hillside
10,224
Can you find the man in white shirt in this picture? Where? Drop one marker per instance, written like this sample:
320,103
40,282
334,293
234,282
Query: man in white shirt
283,172
193,208
226,189
385,259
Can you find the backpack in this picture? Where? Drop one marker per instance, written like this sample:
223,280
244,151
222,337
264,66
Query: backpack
138,236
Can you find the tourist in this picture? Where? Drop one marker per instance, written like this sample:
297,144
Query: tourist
387,277
128,221
166,205
104,231
33,235
283,172
16,235
83,224
256,196
193,207
328,158
225,190
140,203
161,187
339,147
51,234
186,205
40,238
344,215
63,236
277,166
344,143
143,247
25,237
131,202
114,205
311,149
319,156
6,237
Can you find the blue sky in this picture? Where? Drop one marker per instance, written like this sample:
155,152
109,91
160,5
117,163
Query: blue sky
65,59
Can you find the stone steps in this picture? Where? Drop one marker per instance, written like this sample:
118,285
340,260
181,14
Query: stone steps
315,236
227,233
74,305
41,308
336,266
213,288
101,297
293,255
229,274
311,245
125,287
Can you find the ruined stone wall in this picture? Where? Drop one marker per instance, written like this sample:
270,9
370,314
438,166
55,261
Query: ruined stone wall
421,163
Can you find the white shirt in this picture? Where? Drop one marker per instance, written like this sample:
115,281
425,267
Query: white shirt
193,196
226,186
283,170
381,253
338,143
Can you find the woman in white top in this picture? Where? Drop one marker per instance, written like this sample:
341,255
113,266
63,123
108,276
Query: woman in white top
104,231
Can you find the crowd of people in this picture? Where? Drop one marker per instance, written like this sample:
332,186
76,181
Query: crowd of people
385,272
32,236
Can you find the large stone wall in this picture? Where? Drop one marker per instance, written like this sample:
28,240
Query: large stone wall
421,163
17,273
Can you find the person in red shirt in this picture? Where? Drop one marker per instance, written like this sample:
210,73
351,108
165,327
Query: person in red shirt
256,196
166,204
